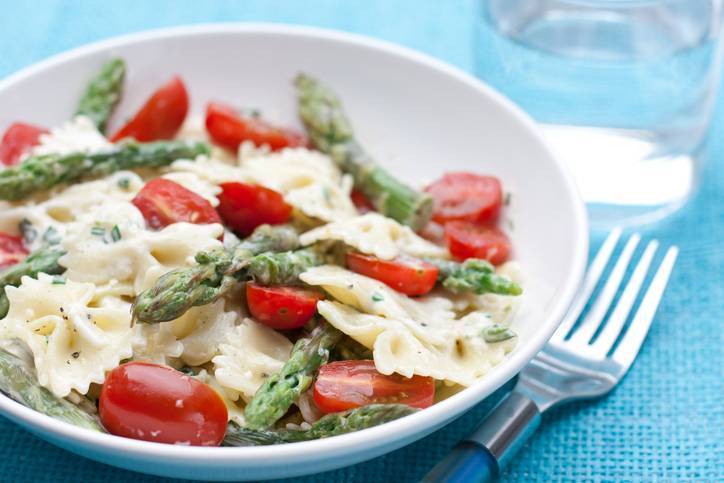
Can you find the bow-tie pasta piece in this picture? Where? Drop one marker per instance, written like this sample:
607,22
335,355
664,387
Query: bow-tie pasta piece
376,235
73,341
252,352
407,336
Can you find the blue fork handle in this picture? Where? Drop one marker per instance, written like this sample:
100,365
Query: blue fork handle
480,456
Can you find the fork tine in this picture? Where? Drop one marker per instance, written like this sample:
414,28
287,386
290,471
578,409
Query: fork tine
629,346
600,307
589,284
617,320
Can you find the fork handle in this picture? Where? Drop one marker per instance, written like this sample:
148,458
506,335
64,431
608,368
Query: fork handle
480,456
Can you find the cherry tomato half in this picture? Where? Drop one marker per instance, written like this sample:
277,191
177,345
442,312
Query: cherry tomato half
468,240
17,141
229,129
12,250
243,207
163,202
406,275
282,308
466,197
160,117
361,202
344,385
151,402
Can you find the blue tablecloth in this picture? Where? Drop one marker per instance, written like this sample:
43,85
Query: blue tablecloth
665,420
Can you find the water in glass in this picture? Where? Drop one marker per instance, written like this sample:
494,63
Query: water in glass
624,90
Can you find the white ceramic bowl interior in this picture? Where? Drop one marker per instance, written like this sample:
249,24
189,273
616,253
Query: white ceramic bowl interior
418,116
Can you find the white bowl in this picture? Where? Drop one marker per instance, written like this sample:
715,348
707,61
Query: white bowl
418,116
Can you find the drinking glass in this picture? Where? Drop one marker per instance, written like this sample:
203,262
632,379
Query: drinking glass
624,91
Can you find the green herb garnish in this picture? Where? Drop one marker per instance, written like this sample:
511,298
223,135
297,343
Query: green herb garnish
124,183
115,233
51,236
28,231
497,333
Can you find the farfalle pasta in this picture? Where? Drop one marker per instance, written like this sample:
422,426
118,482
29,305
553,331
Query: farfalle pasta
73,338
234,284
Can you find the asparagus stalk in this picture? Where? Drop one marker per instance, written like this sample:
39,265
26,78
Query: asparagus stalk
274,398
330,130
43,260
349,349
103,93
215,274
17,380
42,172
282,268
329,425
473,275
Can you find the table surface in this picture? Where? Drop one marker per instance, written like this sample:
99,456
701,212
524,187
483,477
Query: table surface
664,422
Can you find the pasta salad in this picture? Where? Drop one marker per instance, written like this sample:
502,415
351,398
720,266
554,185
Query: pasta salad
227,281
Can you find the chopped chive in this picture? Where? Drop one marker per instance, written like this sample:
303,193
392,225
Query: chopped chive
124,183
58,280
29,233
98,231
377,297
497,333
51,236
508,198
115,233
249,112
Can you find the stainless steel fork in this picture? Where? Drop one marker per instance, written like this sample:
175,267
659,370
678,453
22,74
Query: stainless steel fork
578,362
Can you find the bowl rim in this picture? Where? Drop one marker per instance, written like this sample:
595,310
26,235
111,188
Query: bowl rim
393,431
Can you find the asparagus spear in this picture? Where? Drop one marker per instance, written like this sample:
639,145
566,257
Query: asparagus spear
282,268
215,274
473,275
43,260
274,398
349,349
330,130
17,380
42,172
103,93
329,425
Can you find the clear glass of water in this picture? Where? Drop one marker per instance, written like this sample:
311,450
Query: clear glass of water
624,90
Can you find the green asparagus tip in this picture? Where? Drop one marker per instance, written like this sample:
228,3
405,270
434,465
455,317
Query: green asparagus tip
103,93
274,398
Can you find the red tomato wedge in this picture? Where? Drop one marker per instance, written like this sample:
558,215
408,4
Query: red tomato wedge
17,141
163,202
468,240
229,129
466,197
160,117
151,402
361,202
12,250
243,207
282,308
408,275
344,385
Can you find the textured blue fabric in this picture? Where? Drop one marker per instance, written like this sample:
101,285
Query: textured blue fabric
664,422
